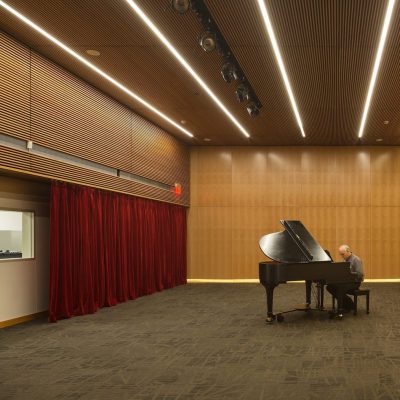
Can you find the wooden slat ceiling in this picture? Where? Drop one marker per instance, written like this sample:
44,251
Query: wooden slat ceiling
328,48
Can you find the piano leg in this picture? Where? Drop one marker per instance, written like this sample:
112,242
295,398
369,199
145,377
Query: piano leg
308,293
322,288
270,300
340,295
320,295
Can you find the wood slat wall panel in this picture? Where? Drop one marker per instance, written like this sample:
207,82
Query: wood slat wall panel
25,162
71,116
11,158
158,155
344,195
14,88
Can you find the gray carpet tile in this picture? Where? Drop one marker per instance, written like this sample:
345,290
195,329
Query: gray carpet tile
208,341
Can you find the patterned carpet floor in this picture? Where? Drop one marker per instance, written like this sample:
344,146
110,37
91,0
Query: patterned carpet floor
208,341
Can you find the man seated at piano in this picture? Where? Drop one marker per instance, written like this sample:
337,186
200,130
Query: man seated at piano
356,268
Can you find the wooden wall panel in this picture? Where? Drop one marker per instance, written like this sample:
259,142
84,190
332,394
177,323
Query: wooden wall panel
318,177
385,182
14,88
212,174
210,242
265,176
353,170
43,102
344,195
385,239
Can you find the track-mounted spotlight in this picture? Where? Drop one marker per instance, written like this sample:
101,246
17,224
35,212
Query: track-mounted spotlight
253,109
242,93
208,41
180,6
229,72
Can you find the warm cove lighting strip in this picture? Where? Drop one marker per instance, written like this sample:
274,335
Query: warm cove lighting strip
397,280
278,56
100,72
382,41
186,65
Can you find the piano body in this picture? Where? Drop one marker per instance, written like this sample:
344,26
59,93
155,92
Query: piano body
299,257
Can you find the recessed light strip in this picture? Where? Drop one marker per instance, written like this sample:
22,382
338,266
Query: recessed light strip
278,56
92,66
382,41
185,64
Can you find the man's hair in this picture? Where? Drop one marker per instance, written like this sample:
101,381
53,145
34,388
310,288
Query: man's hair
345,247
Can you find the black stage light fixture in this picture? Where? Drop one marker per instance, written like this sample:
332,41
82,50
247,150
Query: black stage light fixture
253,109
211,39
229,72
180,6
208,41
226,72
237,74
242,93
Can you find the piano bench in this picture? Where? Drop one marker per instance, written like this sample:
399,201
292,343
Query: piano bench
361,292
355,294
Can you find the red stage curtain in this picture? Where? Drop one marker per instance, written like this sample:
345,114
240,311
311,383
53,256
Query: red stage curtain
107,248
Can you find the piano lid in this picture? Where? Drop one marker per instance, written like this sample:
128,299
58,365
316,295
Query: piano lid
293,245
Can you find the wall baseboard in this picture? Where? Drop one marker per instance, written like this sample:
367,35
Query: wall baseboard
257,281
20,320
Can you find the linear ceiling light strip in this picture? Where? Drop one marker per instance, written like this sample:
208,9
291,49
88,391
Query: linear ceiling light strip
92,67
382,41
185,64
278,56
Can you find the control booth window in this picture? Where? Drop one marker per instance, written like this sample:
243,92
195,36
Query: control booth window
16,234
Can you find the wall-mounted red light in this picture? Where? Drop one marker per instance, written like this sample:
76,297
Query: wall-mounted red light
177,189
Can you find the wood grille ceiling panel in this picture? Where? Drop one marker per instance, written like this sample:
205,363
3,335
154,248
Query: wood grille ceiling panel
328,48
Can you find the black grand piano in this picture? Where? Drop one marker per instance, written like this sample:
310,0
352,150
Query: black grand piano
299,257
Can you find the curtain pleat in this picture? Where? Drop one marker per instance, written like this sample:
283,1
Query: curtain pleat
107,248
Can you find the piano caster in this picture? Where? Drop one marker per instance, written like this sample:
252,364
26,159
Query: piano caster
334,315
270,319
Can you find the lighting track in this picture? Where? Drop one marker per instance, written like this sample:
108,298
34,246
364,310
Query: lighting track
100,72
271,34
185,64
378,58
